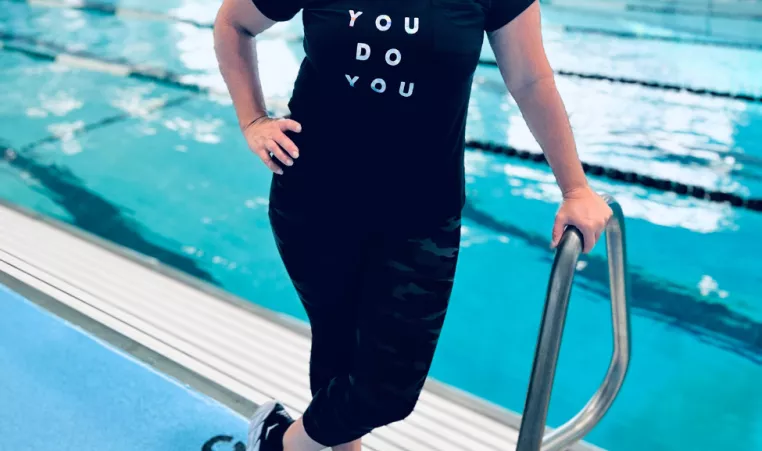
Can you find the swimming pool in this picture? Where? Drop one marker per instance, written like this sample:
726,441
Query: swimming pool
176,183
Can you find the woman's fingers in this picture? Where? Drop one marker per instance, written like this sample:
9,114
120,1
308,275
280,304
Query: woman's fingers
264,155
588,212
588,235
268,140
286,144
558,230
289,125
591,232
275,150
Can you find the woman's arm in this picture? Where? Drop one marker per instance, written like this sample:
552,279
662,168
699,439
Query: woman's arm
528,76
237,24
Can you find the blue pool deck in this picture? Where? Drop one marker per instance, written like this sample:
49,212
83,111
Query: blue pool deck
65,390
104,349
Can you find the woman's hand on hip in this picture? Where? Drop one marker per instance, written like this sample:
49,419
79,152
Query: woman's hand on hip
267,138
585,210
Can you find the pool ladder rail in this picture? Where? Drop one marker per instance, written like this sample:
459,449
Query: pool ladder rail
532,436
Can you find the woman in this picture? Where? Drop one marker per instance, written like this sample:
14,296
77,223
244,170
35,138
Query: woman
368,188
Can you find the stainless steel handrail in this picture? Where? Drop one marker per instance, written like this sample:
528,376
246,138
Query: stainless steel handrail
531,433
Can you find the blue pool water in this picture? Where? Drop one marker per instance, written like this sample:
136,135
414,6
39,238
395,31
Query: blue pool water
66,391
178,184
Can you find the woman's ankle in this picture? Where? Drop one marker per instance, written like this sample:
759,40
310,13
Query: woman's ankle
351,446
297,439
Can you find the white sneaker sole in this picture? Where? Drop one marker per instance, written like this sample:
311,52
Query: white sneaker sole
256,424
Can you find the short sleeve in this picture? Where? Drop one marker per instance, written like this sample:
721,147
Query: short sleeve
502,12
278,10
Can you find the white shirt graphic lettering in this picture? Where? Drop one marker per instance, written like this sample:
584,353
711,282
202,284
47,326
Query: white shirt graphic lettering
393,56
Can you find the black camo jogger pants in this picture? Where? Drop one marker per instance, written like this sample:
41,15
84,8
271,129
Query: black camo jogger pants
376,302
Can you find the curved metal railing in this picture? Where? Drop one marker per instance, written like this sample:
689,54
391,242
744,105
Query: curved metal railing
532,432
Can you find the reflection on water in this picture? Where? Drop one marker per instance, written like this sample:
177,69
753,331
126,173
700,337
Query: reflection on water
674,136
95,214
665,209
652,296
691,139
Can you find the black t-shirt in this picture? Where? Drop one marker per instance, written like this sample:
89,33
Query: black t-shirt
382,95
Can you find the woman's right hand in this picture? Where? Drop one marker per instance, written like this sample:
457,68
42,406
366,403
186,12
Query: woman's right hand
266,137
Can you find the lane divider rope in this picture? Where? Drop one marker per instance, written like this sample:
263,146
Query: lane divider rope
665,38
110,9
113,10
687,11
660,184
108,120
688,8
55,53
649,84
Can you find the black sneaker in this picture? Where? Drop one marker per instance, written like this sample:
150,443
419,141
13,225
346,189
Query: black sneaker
267,426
